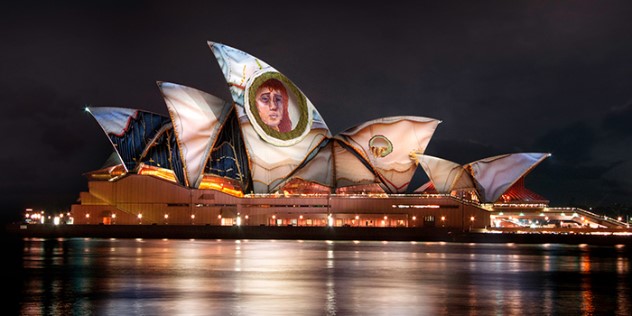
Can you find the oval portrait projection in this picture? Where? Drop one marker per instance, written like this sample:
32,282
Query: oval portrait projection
277,109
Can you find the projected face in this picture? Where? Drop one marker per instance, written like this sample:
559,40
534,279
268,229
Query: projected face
277,110
272,102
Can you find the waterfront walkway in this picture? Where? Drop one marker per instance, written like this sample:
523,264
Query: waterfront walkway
618,237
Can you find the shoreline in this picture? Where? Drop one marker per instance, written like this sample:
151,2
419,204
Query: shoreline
307,233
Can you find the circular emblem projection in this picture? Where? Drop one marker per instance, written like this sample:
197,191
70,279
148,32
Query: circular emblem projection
277,109
380,146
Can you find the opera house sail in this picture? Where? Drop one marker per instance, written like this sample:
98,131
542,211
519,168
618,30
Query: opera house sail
267,157
280,126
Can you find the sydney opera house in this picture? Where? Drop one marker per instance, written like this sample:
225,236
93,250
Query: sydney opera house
267,158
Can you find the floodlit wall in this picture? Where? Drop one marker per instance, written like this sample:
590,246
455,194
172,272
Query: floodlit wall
121,202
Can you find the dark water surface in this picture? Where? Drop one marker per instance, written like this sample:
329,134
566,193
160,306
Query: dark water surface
77,276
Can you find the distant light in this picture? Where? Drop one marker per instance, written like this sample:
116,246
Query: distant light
87,109
56,220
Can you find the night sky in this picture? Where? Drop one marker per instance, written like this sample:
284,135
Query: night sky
503,76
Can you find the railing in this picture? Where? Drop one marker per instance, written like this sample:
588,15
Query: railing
602,220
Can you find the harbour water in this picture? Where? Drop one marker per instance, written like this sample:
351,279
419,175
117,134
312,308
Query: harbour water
100,276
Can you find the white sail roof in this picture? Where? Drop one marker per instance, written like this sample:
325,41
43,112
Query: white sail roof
317,168
113,121
197,118
387,143
494,175
350,169
445,175
274,152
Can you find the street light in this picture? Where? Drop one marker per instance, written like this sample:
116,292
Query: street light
140,218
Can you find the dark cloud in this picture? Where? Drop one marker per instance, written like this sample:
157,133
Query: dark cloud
618,122
461,151
570,144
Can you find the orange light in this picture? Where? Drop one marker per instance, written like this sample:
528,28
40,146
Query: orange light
157,172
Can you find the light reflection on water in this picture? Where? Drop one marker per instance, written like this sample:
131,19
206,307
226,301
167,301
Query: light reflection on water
288,277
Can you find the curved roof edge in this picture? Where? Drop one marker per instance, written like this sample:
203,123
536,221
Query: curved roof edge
493,176
197,117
